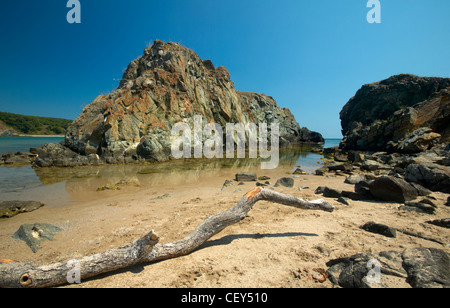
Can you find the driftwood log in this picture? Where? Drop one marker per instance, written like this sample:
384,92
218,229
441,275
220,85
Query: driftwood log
144,250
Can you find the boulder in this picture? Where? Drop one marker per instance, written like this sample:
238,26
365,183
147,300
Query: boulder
170,84
427,267
383,116
389,188
429,175
414,267
420,140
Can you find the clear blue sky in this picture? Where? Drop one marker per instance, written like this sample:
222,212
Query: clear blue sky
311,56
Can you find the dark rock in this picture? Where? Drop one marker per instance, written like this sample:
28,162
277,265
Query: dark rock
445,222
448,202
421,191
427,267
418,267
309,136
331,192
344,200
355,271
245,177
299,171
12,208
34,234
429,175
418,207
286,182
380,229
392,189
319,190
383,114
321,171
339,166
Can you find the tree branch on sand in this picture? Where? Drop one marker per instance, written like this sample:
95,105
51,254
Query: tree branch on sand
144,250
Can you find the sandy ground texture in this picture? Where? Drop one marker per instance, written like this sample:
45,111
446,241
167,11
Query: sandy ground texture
275,246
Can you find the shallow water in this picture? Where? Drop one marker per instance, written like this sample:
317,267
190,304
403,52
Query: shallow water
62,186
23,144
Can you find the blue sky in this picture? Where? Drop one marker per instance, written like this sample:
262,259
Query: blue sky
311,56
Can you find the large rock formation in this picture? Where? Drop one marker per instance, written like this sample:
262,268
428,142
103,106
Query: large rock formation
167,85
403,113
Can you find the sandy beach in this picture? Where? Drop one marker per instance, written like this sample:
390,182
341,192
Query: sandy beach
275,246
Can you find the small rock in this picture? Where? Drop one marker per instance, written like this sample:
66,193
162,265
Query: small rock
344,200
286,182
321,171
299,171
245,177
418,207
34,234
353,179
380,229
227,184
445,222
263,178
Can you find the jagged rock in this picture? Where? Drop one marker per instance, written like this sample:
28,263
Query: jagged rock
286,182
432,176
392,189
414,267
170,84
420,140
382,115
34,234
427,267
12,208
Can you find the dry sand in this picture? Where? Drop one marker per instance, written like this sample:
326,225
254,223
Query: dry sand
275,246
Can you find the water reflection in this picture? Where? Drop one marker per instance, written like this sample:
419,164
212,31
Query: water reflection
81,183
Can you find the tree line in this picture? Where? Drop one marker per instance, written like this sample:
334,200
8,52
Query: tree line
33,125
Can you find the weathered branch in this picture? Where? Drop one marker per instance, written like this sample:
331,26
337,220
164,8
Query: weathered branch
146,249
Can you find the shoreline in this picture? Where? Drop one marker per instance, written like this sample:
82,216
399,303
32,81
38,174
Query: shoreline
274,246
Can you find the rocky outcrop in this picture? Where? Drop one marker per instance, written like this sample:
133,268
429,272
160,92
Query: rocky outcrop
169,84
403,113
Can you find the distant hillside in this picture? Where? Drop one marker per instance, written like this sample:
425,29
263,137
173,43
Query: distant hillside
31,125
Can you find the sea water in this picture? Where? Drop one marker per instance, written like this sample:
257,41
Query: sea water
60,186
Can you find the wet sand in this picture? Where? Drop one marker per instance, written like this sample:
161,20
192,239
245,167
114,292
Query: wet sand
275,246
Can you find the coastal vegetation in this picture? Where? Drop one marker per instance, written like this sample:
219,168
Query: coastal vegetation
33,125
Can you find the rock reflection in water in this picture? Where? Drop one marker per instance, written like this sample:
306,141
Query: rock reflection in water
82,183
